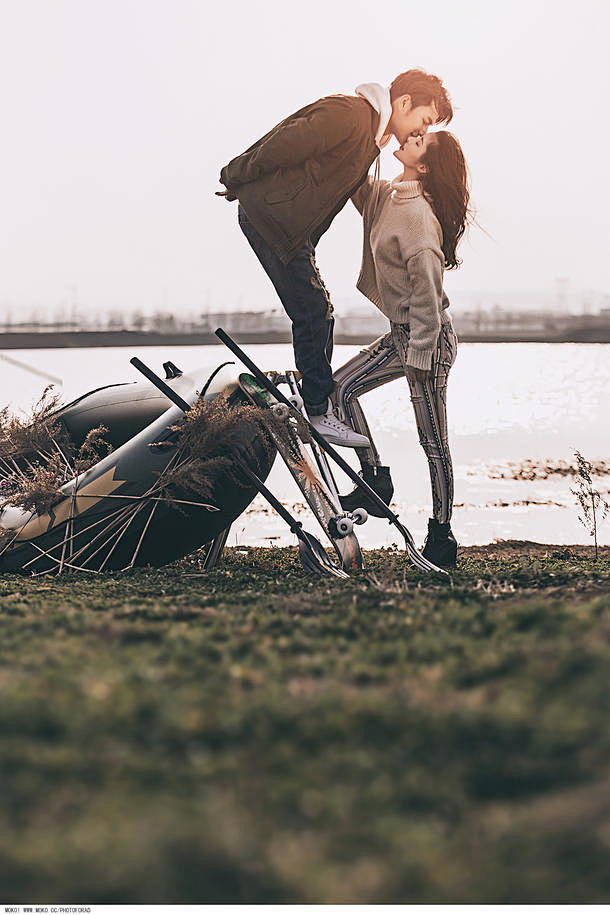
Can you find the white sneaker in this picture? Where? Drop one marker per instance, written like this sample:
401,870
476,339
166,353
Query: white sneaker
336,432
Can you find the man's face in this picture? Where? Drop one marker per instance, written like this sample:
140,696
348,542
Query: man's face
407,121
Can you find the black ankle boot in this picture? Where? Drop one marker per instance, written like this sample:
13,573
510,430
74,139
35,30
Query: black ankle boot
378,479
440,546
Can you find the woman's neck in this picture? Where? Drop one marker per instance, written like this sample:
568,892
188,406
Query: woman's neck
409,173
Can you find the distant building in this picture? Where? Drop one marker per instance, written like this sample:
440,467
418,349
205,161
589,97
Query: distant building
245,322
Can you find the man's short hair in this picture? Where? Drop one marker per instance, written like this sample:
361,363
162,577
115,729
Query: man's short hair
423,88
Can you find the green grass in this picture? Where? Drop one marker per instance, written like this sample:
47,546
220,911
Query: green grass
257,736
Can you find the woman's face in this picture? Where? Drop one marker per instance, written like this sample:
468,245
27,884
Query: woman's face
413,150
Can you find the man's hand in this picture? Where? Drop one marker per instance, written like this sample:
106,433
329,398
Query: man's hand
414,374
227,194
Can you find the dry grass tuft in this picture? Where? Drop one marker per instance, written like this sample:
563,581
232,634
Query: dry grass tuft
37,456
209,437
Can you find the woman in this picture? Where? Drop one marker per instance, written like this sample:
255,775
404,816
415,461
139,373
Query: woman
412,227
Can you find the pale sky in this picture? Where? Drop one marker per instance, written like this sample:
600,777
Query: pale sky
117,116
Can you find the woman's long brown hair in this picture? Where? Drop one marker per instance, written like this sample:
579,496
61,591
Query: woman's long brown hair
445,185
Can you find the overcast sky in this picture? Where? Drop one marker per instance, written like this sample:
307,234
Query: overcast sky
117,116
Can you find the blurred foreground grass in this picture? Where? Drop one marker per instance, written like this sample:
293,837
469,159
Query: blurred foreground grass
253,735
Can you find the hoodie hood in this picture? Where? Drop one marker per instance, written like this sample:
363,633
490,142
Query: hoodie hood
379,97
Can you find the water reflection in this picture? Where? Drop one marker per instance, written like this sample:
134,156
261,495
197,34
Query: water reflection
507,402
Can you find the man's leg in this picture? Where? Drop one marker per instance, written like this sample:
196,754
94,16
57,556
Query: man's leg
307,304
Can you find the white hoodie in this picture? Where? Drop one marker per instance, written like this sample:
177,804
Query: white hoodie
379,97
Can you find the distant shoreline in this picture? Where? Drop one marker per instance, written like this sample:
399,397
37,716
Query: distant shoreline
92,339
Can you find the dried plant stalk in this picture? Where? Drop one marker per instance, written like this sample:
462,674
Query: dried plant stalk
594,508
208,438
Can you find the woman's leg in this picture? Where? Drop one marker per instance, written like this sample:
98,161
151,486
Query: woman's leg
373,366
429,401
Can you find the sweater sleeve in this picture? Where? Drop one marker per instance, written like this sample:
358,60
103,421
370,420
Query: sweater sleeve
425,279
361,196
291,143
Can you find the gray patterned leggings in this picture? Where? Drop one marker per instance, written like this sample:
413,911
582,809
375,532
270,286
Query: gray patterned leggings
383,361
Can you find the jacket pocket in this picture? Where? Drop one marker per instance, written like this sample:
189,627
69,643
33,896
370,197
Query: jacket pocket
283,194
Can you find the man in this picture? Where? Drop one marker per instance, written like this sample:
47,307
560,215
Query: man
292,183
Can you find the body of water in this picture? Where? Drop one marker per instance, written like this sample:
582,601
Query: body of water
507,404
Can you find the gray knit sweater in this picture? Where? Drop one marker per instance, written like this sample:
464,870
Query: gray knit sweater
403,262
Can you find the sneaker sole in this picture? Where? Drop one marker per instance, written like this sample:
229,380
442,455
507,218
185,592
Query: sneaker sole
342,444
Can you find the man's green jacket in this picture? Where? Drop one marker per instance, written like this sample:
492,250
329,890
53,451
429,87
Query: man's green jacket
294,180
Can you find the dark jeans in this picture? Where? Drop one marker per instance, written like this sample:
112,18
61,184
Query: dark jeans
307,304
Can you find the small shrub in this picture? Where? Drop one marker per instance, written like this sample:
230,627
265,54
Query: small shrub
594,507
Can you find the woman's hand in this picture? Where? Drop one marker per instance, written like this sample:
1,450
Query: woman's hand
414,374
